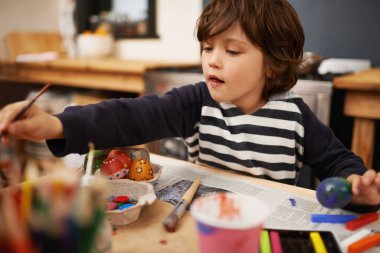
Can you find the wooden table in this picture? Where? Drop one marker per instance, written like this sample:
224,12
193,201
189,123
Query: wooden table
102,74
147,234
362,101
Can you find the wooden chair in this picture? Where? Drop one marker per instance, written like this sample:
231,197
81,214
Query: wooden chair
33,42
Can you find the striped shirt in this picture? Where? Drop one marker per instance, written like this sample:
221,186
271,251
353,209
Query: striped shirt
274,142
268,143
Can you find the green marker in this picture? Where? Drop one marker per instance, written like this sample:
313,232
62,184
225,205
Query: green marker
265,242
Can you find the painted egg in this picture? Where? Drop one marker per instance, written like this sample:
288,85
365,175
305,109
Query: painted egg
140,170
113,169
334,192
122,156
99,157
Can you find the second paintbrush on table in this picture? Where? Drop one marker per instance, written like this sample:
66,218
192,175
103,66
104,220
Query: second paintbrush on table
170,222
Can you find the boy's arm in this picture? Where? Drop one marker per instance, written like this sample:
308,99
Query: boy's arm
128,121
328,157
34,124
324,152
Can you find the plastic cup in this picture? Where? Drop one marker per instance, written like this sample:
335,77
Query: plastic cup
229,222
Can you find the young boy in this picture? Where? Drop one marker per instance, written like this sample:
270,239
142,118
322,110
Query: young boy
241,118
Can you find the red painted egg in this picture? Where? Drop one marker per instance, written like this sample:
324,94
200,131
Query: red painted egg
120,155
113,168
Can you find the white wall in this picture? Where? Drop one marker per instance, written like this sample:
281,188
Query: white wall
175,26
26,15
32,15
176,22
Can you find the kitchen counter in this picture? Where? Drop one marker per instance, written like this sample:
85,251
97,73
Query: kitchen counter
103,74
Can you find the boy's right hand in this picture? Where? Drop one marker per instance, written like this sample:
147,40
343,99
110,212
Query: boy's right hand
34,125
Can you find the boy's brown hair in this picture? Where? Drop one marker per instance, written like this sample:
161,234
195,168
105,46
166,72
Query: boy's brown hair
271,25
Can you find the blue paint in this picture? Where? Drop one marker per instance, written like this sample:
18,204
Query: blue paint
293,202
205,229
125,206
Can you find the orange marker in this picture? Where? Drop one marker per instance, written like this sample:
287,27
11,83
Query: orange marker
365,243
362,221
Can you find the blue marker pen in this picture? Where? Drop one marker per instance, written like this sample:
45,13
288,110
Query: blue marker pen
332,218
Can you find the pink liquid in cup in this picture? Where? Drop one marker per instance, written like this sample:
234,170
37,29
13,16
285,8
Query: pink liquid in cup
229,222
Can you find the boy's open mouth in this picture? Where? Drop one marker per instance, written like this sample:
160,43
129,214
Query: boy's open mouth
215,79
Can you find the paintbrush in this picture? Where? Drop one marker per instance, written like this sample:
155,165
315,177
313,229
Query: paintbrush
170,222
87,177
31,102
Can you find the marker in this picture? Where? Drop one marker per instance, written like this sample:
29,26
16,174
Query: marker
332,218
355,237
365,243
265,242
362,221
317,241
275,242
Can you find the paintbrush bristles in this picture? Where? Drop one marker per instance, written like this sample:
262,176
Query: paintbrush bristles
170,223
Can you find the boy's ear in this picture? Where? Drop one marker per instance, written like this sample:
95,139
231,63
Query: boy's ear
269,73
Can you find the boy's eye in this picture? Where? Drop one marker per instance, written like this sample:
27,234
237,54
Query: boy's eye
233,52
207,49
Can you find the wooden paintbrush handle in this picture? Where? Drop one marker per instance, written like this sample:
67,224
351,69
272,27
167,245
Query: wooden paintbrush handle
170,222
21,113
189,194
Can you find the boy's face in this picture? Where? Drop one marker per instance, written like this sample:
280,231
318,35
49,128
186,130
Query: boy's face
234,69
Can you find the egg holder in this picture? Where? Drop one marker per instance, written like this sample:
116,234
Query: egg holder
157,171
134,153
141,191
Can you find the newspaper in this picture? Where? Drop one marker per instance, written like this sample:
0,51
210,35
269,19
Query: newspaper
288,211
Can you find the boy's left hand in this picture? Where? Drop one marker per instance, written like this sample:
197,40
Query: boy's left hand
365,188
